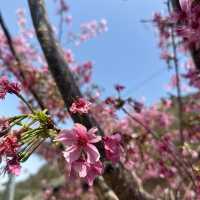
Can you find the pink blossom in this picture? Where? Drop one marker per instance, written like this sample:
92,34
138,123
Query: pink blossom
8,146
8,87
112,147
13,166
89,30
78,168
69,56
80,106
8,150
93,171
79,143
88,171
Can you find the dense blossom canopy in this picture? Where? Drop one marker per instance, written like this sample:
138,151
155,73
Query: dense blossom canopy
152,151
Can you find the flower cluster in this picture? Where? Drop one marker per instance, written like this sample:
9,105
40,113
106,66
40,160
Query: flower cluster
8,87
112,147
80,106
81,153
21,135
188,20
89,30
8,151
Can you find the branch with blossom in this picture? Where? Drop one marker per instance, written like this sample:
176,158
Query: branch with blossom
67,85
136,149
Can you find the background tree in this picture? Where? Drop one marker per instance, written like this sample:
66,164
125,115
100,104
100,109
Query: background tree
151,152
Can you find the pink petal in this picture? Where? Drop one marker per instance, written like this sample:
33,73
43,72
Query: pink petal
92,137
72,175
14,169
90,179
117,137
94,170
72,154
67,137
92,130
92,153
80,168
79,128
83,171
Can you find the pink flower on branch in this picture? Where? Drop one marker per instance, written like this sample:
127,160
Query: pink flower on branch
8,87
93,171
81,154
78,168
8,150
88,171
8,146
13,166
80,106
79,144
112,147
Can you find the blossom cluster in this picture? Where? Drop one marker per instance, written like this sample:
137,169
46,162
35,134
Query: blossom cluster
89,30
151,145
8,87
81,153
8,152
80,106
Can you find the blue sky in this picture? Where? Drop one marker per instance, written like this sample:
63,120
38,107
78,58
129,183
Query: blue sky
126,54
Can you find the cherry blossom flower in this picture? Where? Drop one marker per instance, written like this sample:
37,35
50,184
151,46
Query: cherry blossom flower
89,30
13,166
80,106
8,145
8,87
78,168
88,171
8,150
112,147
79,144
93,171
